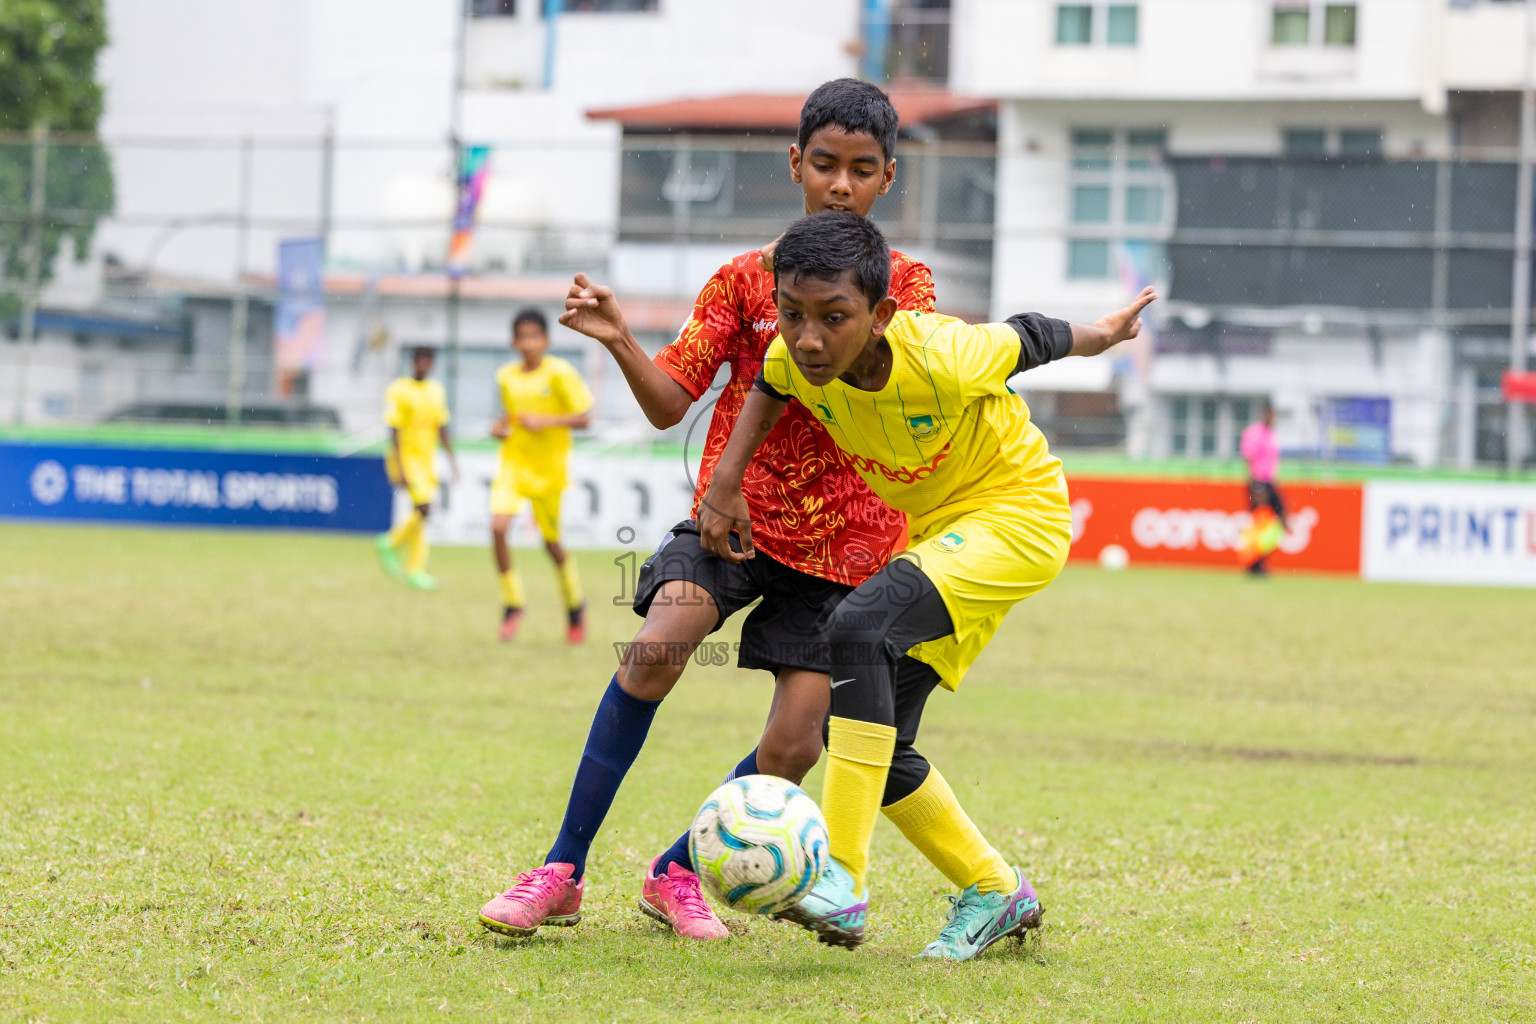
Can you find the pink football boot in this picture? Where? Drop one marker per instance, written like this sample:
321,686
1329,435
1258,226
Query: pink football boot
674,899
542,896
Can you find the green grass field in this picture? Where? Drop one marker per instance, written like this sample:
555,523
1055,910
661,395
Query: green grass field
244,778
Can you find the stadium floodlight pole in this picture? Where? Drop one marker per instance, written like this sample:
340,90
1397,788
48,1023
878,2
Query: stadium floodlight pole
1514,435
456,145
33,286
234,393
1519,325
551,17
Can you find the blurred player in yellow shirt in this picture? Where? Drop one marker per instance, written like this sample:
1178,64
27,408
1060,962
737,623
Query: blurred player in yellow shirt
544,399
416,412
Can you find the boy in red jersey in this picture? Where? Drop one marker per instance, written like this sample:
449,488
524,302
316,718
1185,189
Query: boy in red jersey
822,529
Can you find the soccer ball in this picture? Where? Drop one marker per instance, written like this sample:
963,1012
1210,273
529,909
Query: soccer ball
759,843
1114,557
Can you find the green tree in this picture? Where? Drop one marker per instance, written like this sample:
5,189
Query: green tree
48,52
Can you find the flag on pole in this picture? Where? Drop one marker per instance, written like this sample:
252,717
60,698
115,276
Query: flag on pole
1135,258
300,318
472,173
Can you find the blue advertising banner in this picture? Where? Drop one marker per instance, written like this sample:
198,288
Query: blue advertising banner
210,488
1358,429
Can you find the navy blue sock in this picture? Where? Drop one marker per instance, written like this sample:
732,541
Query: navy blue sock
617,734
678,853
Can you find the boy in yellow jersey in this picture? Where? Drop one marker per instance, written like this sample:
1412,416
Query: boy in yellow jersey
416,412
920,406
544,399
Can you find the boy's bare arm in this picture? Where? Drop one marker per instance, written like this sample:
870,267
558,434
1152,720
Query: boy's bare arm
724,508
590,309
1109,331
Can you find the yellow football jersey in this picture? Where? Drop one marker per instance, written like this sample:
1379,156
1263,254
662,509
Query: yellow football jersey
946,442
416,408
536,459
945,436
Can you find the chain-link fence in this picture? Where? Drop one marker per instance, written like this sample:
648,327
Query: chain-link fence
141,275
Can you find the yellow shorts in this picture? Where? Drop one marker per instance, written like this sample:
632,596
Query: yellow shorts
506,500
983,563
419,478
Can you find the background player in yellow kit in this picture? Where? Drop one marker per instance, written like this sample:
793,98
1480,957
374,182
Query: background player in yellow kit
919,404
416,412
544,398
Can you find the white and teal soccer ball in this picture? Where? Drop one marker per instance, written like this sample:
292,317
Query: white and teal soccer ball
759,843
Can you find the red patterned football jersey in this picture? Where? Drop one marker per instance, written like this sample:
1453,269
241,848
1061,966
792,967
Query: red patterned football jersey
809,510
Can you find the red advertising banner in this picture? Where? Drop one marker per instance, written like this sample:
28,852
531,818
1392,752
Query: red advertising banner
1201,522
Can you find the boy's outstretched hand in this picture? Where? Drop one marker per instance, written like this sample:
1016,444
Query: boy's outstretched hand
1109,331
590,309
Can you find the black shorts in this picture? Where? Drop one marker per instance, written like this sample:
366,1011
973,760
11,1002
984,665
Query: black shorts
786,631
1263,493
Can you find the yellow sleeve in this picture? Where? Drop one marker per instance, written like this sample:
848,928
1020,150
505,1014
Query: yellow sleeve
776,367
440,397
984,357
503,392
574,393
395,414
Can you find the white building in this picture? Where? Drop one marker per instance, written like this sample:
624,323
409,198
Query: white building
1114,124
1104,98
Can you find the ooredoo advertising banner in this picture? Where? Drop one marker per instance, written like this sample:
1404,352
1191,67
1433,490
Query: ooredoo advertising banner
1450,533
171,486
1201,522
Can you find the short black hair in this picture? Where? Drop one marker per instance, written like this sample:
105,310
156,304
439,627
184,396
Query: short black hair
424,350
826,245
530,316
853,106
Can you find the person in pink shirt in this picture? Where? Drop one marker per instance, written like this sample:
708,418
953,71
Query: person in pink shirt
1262,453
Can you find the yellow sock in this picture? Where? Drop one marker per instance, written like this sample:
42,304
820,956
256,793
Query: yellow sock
934,822
570,583
416,552
512,589
403,533
858,760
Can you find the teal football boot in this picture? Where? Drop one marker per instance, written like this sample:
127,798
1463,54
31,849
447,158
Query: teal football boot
978,919
832,909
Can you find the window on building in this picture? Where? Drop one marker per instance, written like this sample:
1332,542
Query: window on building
609,6
1312,22
1292,25
1088,258
1097,23
1118,212
1209,426
1210,430
1360,142
1074,24
1178,420
1143,204
1090,204
1339,25
1144,148
492,8
1091,150
1306,142
1120,25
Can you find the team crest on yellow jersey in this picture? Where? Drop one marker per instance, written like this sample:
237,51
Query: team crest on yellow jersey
952,541
922,428
825,414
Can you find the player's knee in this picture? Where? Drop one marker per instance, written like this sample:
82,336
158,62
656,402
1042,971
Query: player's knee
651,666
855,635
908,771
799,757
788,753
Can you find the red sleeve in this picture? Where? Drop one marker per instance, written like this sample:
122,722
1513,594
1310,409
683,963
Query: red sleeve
912,284
708,338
